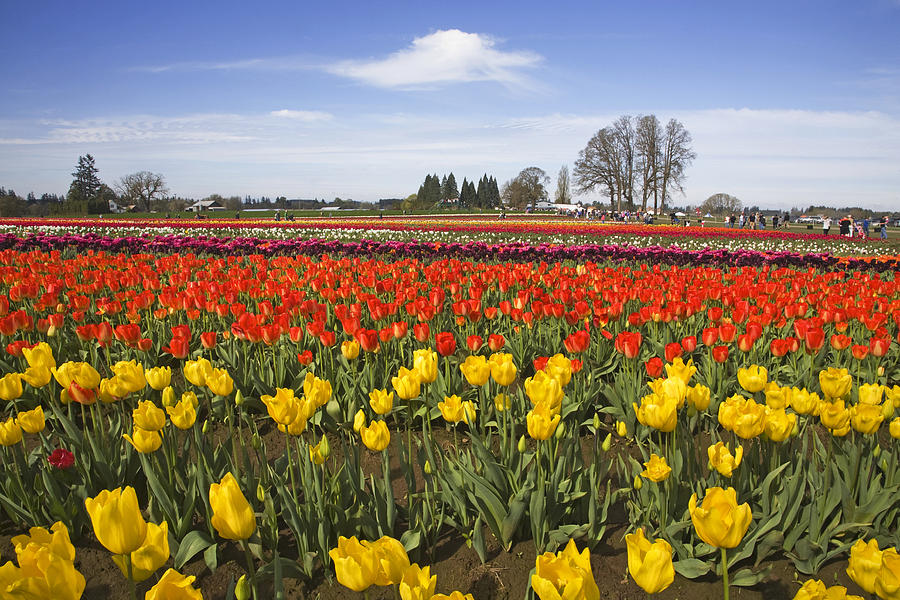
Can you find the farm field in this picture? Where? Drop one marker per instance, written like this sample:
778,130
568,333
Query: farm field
529,407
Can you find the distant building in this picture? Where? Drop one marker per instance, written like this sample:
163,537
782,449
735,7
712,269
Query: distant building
201,205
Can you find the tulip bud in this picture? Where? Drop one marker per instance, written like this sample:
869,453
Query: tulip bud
638,484
168,396
560,432
607,443
522,445
796,430
427,467
596,422
621,428
877,451
260,493
256,441
883,464
880,371
60,308
51,331
324,447
205,427
333,409
691,411
238,398
242,589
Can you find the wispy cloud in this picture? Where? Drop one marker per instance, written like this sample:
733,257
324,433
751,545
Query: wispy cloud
441,58
307,116
278,63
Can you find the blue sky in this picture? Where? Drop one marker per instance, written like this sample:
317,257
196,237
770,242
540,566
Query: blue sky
788,103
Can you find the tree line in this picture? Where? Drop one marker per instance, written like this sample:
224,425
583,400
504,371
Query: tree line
436,190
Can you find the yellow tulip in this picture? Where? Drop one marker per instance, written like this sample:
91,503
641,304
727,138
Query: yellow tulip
112,390
470,411
753,378
80,373
183,414
895,428
425,364
381,401
36,377
316,391
503,370
871,393
159,378
722,460
451,409
282,407
779,424
131,375
391,560
678,370
454,595
10,432
893,394
835,383
356,566
656,469
621,428
56,540
649,564
196,371
191,397
350,349
375,436
804,402
866,418
476,370
220,382
233,516
559,367
502,402
407,383
417,583
319,452
152,554
864,564
32,421
887,584
698,397
719,520
544,389
565,575
743,416
834,415
659,412
174,586
359,420
168,396
46,568
148,416
117,520
41,356
295,427
673,389
541,422
10,387
777,397
144,441
815,589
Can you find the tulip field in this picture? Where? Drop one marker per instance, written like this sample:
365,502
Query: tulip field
419,409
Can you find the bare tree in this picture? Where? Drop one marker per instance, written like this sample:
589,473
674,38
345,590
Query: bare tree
677,155
648,137
607,163
720,203
624,136
527,188
143,188
563,191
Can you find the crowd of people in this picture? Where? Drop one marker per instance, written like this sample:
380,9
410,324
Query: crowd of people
850,227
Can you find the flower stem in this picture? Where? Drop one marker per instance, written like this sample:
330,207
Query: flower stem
725,571
131,584
251,567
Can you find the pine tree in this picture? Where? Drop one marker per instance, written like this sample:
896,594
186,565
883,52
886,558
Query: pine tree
449,190
464,200
482,192
86,185
444,190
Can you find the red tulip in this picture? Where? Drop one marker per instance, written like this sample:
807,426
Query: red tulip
445,343
474,342
879,346
328,338
779,347
859,352
61,458
673,351
496,342
720,354
745,342
654,367
399,329
179,347
577,342
368,339
815,339
421,331
689,343
208,339
629,343
727,332
840,342
540,362
710,336
305,357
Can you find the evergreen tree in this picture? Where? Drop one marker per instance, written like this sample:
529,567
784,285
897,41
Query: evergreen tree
494,192
464,200
449,190
481,192
86,185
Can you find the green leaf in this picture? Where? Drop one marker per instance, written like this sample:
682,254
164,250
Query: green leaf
746,577
691,568
193,543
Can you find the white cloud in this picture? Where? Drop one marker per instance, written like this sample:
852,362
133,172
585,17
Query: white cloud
307,116
440,58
